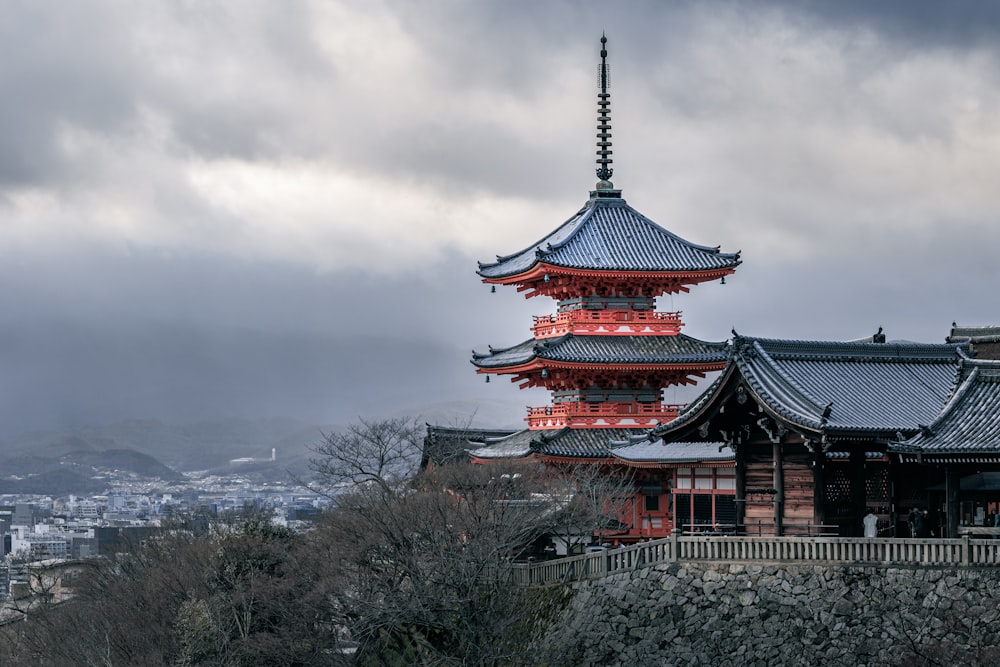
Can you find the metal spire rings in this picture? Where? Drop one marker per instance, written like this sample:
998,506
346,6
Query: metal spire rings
604,171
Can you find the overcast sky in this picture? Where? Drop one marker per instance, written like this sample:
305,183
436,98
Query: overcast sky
215,209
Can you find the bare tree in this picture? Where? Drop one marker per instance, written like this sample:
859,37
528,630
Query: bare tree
423,573
245,596
426,577
380,452
595,499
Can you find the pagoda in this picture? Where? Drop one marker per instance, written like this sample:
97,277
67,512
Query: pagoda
606,353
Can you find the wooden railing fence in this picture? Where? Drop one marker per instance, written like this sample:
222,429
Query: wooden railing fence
888,552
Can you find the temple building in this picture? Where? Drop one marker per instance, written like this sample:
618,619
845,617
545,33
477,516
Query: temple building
606,354
792,438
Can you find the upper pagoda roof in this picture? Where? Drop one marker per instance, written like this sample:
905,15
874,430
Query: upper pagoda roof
833,388
969,425
668,349
609,235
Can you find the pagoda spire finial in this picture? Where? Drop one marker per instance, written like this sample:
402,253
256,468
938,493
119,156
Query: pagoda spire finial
604,171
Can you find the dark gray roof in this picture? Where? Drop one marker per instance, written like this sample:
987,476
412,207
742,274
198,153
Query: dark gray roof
608,234
970,422
868,386
567,442
988,334
654,450
677,349
839,388
515,445
448,444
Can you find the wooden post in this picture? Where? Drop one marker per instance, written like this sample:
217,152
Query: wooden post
819,486
859,494
779,488
741,489
951,484
894,470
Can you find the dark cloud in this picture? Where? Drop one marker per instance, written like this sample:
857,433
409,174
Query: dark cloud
212,209
918,24
60,68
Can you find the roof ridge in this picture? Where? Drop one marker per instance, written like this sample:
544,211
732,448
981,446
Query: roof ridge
956,399
537,244
650,222
804,398
779,348
586,213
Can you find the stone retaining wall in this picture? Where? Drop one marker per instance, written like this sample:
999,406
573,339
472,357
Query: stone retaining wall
738,614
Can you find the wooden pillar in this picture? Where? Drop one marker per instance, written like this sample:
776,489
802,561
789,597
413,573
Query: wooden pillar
858,491
741,487
894,471
951,484
819,487
779,487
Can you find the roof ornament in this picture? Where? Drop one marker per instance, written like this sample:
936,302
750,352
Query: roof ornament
604,171
878,337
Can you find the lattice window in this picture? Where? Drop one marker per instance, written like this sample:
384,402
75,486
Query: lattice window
838,486
876,485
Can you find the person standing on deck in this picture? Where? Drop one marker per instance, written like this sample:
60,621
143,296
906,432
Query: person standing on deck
871,524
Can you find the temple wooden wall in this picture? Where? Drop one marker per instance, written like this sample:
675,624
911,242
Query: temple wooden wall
798,489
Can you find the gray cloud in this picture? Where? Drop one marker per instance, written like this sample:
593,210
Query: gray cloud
261,209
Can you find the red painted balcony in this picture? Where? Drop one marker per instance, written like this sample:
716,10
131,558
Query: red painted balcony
608,322
578,414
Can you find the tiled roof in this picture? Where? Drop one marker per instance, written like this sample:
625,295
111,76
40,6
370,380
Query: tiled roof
447,444
840,388
584,443
678,349
655,450
990,334
567,442
970,422
515,445
608,234
849,386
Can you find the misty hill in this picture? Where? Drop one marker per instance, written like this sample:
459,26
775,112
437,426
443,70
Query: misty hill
127,460
55,481
210,445
83,471
186,447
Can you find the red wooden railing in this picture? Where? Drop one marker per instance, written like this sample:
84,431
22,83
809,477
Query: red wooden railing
610,414
608,322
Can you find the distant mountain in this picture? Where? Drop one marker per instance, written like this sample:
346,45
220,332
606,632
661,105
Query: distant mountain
187,447
152,448
56,482
127,460
81,471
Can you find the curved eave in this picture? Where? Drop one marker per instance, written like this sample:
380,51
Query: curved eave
705,405
586,352
667,465
530,456
562,459
537,272
540,363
